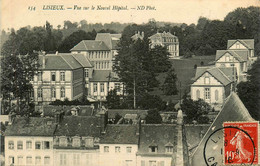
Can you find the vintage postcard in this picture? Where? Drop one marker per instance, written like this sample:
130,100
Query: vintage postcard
129,82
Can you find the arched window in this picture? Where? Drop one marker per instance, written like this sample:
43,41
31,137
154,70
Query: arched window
198,94
216,95
62,92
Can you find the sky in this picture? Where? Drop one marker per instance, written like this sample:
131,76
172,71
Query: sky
16,13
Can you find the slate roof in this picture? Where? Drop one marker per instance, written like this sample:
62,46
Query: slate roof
103,76
90,45
82,60
194,134
158,135
233,110
248,43
122,112
78,126
60,61
218,73
111,40
240,55
33,126
120,134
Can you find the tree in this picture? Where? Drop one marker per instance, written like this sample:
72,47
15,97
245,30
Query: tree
195,110
137,65
169,86
73,39
113,100
147,101
249,91
153,117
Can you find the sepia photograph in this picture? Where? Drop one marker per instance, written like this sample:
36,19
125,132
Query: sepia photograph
129,82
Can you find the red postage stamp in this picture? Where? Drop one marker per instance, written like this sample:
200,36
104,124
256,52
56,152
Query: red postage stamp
240,143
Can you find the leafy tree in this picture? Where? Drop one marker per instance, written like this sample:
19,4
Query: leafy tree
195,110
137,65
169,87
153,117
113,100
147,101
249,91
73,39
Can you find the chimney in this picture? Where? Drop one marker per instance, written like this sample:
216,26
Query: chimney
180,117
138,126
102,115
43,59
180,158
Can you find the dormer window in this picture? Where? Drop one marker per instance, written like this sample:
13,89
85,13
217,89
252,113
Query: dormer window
89,142
153,149
76,142
63,141
169,148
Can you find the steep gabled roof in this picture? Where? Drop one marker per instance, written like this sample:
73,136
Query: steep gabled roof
233,110
120,134
240,55
217,73
78,126
157,134
248,43
33,126
60,61
90,45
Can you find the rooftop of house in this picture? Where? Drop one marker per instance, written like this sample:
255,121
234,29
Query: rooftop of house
157,135
123,112
194,134
33,126
63,61
90,45
232,110
224,75
83,110
240,55
248,43
103,76
78,126
82,60
164,34
120,134
111,40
